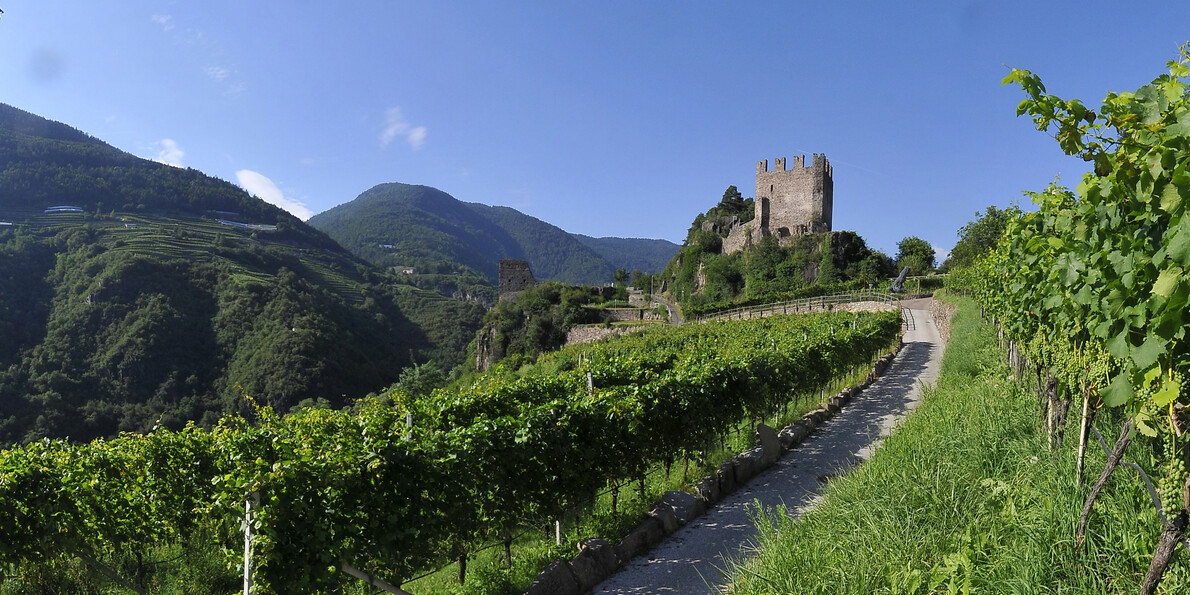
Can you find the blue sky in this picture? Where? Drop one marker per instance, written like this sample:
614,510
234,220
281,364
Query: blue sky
607,119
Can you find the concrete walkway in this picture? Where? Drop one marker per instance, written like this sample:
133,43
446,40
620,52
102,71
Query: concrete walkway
690,560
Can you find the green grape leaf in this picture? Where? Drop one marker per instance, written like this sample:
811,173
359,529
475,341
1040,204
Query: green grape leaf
1167,281
1181,127
1119,345
1178,242
1143,426
1168,393
1148,104
1084,296
1146,355
1118,392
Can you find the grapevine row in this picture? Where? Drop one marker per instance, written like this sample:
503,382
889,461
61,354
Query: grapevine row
362,487
1093,287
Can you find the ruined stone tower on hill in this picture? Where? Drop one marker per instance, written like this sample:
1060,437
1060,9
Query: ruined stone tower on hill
514,277
794,201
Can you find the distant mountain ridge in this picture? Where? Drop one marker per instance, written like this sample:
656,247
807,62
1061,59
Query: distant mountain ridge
645,255
145,307
407,225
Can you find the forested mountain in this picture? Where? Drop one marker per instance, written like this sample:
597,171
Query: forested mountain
552,253
402,225
163,295
632,254
430,231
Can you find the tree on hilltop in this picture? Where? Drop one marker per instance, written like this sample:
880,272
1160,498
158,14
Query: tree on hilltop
917,254
977,238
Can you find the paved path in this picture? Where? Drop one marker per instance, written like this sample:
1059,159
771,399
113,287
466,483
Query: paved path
690,560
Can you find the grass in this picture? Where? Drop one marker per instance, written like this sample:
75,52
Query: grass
967,497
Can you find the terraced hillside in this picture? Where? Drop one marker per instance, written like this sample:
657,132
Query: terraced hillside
162,296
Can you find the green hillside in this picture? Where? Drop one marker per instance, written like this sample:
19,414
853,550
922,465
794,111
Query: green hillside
148,307
448,242
552,253
402,225
632,254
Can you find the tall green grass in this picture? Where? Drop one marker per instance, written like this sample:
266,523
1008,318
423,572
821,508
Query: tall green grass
966,497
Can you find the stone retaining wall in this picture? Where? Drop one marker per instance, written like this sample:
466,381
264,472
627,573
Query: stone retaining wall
942,311
590,334
629,314
598,559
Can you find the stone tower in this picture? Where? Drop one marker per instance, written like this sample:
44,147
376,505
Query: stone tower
514,277
794,201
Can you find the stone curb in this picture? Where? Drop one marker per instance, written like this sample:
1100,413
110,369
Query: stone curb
598,560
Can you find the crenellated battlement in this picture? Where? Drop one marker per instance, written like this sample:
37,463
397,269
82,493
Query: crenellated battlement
793,201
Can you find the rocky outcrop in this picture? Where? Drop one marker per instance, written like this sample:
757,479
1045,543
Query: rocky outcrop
485,348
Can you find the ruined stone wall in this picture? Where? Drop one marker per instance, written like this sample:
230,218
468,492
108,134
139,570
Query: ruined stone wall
738,238
514,277
629,314
590,334
793,201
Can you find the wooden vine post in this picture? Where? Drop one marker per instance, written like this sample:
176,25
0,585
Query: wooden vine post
1083,429
1113,460
1173,533
253,498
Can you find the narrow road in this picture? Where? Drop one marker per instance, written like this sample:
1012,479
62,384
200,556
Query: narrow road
690,561
674,316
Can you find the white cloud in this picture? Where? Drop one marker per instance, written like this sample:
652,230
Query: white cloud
939,254
218,72
264,189
395,125
168,152
416,137
166,21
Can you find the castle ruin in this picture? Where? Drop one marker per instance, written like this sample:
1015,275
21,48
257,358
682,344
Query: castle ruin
794,201
514,277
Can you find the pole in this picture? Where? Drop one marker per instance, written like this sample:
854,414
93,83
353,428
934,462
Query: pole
248,541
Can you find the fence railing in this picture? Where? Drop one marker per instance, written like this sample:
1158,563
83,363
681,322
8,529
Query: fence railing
822,303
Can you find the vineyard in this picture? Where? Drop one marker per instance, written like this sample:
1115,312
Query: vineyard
396,484
1092,290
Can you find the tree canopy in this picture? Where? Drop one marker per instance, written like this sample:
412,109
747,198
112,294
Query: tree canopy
917,254
977,237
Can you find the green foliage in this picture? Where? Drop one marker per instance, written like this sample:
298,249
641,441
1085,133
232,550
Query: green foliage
1093,284
917,254
150,313
402,225
978,237
103,340
536,320
420,380
964,498
733,204
771,270
360,486
827,271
